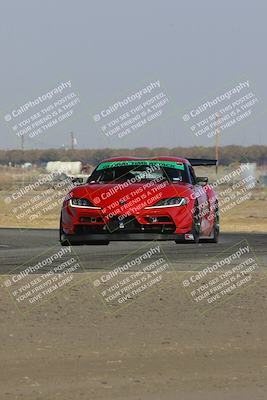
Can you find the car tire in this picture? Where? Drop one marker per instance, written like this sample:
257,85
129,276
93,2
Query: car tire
62,239
216,228
196,226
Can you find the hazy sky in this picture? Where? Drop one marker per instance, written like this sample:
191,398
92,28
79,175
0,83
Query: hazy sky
110,49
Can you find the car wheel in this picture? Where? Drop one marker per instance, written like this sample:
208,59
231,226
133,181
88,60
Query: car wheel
216,226
62,238
216,229
196,224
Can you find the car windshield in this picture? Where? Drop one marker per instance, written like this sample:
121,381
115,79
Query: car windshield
137,171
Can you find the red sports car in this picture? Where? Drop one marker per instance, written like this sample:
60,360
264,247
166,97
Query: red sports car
129,198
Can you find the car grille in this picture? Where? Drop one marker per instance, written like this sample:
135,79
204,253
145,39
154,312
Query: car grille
84,229
127,225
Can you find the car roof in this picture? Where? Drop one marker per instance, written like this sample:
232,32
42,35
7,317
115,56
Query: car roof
176,159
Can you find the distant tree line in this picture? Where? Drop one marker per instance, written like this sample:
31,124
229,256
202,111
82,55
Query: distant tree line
228,154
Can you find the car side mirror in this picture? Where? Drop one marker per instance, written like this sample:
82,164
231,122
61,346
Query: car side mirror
77,181
202,180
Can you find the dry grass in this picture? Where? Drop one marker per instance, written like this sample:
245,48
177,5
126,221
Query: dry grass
251,216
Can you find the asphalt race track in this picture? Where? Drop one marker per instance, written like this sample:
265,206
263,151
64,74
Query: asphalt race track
17,246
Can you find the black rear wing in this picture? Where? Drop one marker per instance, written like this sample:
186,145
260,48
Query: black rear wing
197,162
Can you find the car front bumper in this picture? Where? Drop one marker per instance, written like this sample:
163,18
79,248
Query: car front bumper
89,238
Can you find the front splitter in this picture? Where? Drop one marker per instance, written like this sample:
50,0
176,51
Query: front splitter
74,239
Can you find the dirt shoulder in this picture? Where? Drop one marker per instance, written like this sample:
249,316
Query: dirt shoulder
159,347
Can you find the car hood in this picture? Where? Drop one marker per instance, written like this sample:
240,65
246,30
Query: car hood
103,195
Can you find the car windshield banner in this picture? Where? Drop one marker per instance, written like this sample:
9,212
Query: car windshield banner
167,164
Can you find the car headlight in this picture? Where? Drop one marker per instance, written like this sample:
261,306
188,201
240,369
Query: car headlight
83,203
172,202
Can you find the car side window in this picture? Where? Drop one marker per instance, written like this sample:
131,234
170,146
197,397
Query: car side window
192,175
